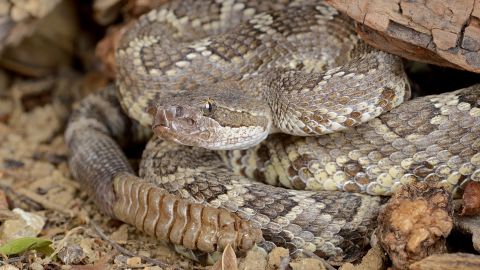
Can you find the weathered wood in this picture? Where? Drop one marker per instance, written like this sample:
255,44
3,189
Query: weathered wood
440,32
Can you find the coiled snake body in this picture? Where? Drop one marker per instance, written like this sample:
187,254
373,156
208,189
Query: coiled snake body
224,75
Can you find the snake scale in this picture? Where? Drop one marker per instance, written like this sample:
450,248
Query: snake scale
212,75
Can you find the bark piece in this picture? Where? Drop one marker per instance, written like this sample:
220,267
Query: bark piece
457,261
415,222
440,32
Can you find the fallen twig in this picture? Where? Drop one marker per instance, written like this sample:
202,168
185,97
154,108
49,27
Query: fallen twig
44,202
12,260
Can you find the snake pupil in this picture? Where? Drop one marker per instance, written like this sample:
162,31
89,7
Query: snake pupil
209,106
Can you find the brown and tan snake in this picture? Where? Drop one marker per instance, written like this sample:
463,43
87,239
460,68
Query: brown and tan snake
217,75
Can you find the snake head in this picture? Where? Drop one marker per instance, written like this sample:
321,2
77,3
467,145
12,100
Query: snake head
212,120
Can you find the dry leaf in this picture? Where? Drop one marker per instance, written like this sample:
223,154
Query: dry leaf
228,260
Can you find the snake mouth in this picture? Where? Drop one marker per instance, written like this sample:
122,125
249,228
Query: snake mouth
189,125
175,118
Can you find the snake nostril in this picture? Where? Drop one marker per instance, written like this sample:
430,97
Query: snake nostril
190,121
160,118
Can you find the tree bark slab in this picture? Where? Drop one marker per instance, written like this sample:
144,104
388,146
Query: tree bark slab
440,32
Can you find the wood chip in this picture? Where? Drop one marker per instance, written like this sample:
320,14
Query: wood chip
443,32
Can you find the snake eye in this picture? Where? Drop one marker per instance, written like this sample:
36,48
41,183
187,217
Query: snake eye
209,106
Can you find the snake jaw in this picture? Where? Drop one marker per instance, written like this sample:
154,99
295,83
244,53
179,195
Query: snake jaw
182,125
190,126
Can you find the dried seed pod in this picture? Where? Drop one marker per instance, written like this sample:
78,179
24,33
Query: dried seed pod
179,221
415,222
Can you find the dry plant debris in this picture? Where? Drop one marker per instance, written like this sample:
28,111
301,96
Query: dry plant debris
228,261
415,222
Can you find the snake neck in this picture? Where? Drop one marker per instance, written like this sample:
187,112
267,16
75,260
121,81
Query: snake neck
339,98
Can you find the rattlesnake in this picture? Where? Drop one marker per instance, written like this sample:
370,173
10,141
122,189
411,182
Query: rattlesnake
287,67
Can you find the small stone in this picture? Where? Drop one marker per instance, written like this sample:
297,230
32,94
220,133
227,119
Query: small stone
36,266
26,225
120,235
120,259
256,259
134,261
71,254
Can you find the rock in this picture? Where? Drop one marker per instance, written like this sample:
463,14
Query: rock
121,235
134,261
71,254
26,225
374,260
